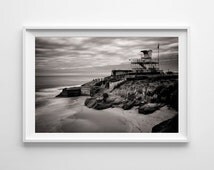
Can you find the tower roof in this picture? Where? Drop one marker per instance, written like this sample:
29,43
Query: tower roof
146,51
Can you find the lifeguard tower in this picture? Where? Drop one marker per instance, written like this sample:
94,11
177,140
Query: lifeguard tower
145,64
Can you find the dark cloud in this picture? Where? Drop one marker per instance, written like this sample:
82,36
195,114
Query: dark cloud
64,54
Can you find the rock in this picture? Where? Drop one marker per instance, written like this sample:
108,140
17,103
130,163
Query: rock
174,100
168,126
117,101
148,108
70,92
90,102
159,89
153,100
97,104
105,96
94,90
137,102
128,105
102,105
131,96
167,94
110,99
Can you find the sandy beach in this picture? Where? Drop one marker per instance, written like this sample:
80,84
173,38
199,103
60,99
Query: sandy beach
71,115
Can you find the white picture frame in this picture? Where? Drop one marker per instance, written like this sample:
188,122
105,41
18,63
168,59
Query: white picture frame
29,34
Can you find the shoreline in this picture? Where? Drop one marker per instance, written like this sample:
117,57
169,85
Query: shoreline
81,119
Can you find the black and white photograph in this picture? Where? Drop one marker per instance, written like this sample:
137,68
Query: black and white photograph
106,84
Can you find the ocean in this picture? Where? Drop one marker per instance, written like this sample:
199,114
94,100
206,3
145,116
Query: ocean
44,82
47,87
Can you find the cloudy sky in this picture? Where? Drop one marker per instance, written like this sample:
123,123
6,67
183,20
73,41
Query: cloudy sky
84,55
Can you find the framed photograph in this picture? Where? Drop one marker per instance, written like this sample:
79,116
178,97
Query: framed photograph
105,84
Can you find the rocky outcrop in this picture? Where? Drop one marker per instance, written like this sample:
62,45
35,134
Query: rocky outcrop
168,126
70,92
149,90
147,94
148,108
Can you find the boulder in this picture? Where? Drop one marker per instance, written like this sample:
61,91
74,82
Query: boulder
111,99
105,96
148,108
102,105
137,102
97,104
90,102
116,101
128,105
168,126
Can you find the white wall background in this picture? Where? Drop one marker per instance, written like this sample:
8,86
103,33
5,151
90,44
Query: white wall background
195,155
